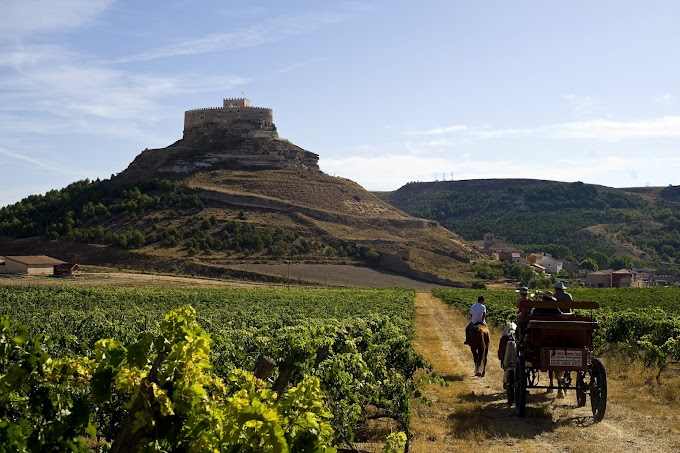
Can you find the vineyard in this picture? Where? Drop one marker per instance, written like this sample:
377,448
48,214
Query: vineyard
642,323
119,369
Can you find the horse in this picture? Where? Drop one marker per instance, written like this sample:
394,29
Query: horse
507,350
561,382
479,345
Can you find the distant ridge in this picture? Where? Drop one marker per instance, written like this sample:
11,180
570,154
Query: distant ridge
539,214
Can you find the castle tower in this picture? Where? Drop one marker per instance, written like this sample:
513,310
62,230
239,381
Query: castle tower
235,117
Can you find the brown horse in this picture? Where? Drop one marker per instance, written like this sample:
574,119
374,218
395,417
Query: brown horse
479,340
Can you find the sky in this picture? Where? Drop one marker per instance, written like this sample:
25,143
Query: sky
386,92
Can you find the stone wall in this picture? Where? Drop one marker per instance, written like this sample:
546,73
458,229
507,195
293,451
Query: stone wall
236,115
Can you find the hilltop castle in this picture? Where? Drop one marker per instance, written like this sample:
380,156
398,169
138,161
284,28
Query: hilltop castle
236,117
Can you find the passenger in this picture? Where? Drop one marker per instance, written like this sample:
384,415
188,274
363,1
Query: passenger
522,313
562,296
477,314
547,297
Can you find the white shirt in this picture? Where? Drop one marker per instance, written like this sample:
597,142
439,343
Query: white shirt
477,311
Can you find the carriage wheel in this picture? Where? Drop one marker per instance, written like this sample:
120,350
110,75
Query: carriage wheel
598,389
510,387
521,385
581,389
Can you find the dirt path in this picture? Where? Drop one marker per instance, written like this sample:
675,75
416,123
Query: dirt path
472,412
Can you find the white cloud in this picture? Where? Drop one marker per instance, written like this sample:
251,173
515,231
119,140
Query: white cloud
667,126
445,130
265,33
391,171
607,130
21,18
34,162
63,90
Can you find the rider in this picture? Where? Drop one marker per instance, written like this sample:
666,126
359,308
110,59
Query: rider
477,314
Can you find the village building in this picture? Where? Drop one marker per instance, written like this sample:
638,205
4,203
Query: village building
625,278
66,269
32,265
599,279
552,265
622,278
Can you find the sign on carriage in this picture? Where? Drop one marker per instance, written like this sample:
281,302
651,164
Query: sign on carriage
566,358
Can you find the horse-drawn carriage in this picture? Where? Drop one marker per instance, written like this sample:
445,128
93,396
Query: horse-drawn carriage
559,343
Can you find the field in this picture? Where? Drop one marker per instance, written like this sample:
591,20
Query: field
180,367
348,348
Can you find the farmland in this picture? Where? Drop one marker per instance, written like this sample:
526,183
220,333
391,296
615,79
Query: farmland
343,350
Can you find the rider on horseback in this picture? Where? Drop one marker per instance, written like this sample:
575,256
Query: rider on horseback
478,316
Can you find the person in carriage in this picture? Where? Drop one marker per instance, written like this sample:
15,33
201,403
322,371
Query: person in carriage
477,316
545,297
562,296
522,313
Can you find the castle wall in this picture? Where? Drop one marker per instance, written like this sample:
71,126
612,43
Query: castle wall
227,116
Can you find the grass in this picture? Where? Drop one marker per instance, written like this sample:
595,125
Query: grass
634,386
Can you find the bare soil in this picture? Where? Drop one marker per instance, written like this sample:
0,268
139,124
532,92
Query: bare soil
472,412
299,273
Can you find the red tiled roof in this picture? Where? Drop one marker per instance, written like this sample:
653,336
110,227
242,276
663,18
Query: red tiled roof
34,259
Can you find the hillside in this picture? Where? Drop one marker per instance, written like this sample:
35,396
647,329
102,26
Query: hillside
568,219
215,200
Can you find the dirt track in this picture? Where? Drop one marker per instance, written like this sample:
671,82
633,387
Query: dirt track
473,413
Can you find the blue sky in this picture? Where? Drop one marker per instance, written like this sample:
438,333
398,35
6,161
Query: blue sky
386,92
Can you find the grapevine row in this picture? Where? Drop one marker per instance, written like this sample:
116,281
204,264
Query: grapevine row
99,353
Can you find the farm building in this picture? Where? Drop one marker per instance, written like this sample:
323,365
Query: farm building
66,269
599,279
34,265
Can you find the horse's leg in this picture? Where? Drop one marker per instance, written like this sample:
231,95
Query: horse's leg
475,357
486,353
560,387
550,376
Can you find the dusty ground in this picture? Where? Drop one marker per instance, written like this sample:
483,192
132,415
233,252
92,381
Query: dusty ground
471,413
317,274
110,278
337,275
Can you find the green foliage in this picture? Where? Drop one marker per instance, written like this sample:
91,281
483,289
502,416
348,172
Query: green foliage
80,211
201,392
487,271
589,264
599,258
174,399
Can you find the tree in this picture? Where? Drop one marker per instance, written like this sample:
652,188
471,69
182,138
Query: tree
589,264
373,256
600,258
622,262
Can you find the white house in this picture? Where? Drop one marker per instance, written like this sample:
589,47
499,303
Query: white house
552,265
34,265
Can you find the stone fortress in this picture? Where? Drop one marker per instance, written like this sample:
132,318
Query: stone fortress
235,136
236,116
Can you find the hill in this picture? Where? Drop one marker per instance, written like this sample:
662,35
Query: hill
570,220
230,191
